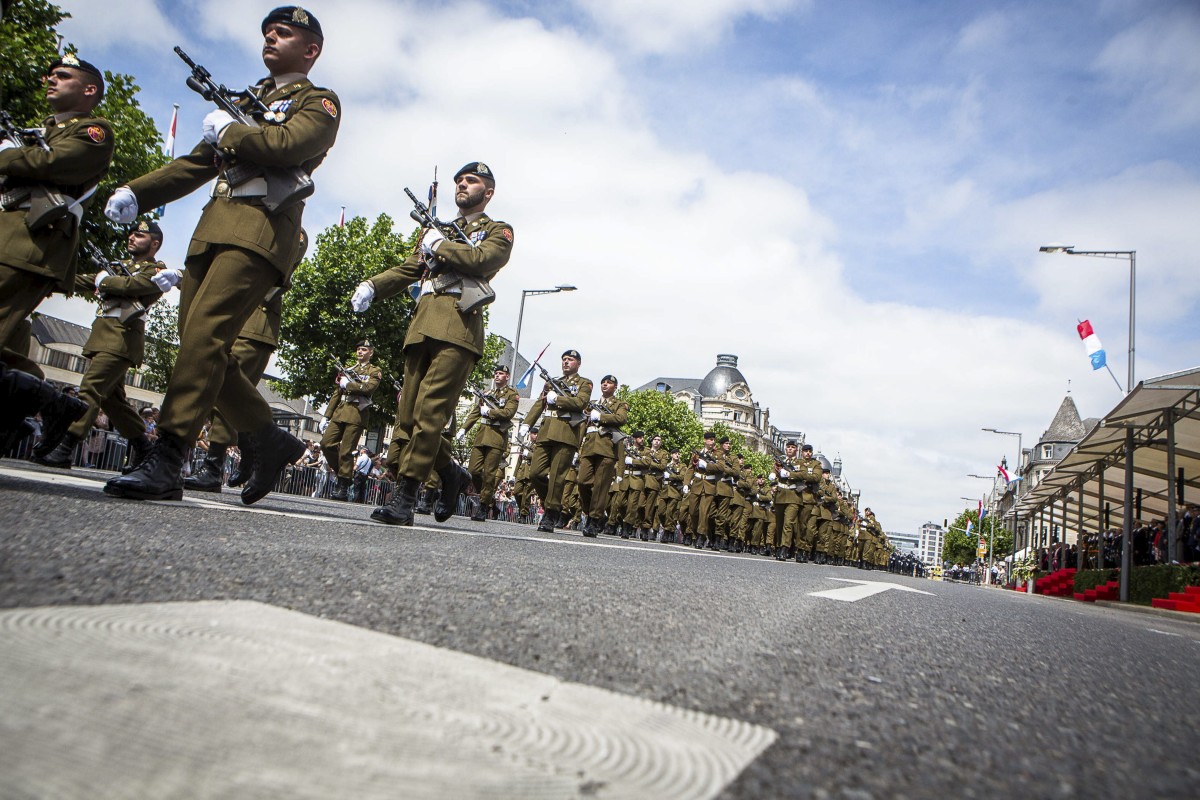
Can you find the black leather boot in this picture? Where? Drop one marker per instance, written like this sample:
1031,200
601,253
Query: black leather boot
479,514
212,470
274,448
139,448
399,510
341,490
23,395
245,468
455,481
62,456
156,478
425,501
548,521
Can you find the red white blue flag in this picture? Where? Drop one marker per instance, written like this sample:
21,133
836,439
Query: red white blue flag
1091,342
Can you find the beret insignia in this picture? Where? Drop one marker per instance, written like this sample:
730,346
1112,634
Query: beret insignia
299,15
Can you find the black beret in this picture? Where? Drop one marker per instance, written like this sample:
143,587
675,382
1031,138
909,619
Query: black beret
295,16
724,440
807,446
609,378
75,62
149,226
476,168
638,434
792,442
534,429
573,354
501,368
365,343
709,435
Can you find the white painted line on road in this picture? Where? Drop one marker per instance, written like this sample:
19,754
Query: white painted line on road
1164,633
242,699
863,590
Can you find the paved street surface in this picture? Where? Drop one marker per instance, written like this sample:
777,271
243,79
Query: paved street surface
296,649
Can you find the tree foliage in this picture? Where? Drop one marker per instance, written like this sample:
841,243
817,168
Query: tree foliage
960,548
318,325
29,44
162,344
659,413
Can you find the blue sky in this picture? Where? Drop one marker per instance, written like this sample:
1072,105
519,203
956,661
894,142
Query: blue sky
847,195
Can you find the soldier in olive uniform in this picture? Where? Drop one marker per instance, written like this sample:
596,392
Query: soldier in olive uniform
116,344
240,250
704,486
522,485
559,436
666,510
598,453
723,505
44,191
623,509
444,339
808,478
495,413
252,350
786,502
652,463
347,415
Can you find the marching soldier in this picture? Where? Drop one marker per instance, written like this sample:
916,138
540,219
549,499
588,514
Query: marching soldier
727,471
252,350
598,453
240,250
704,487
494,413
623,516
666,511
444,339
786,502
347,416
808,479
45,187
116,344
652,462
522,484
560,435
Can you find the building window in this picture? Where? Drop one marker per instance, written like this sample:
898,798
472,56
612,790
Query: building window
737,416
1047,451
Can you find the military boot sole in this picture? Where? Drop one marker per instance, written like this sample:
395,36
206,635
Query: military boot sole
194,485
388,517
137,493
251,495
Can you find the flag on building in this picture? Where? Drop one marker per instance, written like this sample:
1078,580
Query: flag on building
982,513
1091,343
970,525
1004,473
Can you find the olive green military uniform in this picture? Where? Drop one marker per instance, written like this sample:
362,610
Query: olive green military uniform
826,504
808,477
348,412
598,457
491,441
625,506
707,474
522,485
570,500
727,478
666,510
653,462
443,342
786,503
559,437
252,350
115,347
760,512
239,250
35,263
739,505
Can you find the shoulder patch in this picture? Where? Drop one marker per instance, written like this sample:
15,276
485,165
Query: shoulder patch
330,107
507,234
96,134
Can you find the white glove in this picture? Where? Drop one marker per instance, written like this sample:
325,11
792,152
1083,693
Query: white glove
595,415
363,295
783,473
344,381
324,424
214,125
167,279
686,488
6,143
122,207
629,461
458,437
666,476
702,464
522,429
771,477
485,410
100,276
430,241
551,398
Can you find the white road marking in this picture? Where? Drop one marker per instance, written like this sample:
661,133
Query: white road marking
862,590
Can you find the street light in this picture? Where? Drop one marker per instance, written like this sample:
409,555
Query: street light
991,527
1020,483
1132,256
521,316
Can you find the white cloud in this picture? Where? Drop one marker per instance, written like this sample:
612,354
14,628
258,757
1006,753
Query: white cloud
140,25
664,26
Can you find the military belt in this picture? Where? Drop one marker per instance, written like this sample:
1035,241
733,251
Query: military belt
255,187
637,473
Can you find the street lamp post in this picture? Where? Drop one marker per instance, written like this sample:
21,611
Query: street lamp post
1020,483
991,527
521,317
1126,254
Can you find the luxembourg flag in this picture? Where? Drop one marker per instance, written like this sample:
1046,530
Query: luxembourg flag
521,384
982,512
1004,474
169,146
1091,342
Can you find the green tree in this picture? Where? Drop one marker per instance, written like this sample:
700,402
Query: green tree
961,549
162,344
29,44
318,325
659,413
760,463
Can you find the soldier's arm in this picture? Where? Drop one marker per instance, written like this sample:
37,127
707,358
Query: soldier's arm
576,402
368,386
396,279
509,409
137,285
535,412
482,260
178,179
472,418
618,417
85,284
73,159
308,132
332,405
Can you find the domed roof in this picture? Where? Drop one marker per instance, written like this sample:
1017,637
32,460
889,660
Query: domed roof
722,376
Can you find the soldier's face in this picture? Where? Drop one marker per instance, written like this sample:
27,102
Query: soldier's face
287,49
656,443
364,353
69,89
790,450
570,365
607,388
501,378
139,244
470,192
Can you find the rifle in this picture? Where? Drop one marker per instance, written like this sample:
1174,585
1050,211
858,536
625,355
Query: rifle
21,137
349,371
130,307
558,388
485,398
474,292
616,434
285,185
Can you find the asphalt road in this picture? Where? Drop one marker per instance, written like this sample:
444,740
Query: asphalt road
953,690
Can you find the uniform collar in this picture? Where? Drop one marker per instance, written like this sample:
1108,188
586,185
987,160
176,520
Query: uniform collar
62,116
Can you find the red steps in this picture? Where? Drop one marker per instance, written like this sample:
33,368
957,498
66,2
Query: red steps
1187,600
1107,591
1060,583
